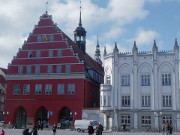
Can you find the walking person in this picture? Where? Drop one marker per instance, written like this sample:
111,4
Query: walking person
3,132
42,125
54,129
35,130
90,129
124,127
170,129
163,128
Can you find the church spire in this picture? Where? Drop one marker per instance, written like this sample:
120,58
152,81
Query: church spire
80,35
97,55
80,23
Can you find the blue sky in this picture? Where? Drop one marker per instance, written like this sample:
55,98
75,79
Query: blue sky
121,21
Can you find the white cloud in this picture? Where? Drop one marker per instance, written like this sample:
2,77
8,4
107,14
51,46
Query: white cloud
144,37
18,18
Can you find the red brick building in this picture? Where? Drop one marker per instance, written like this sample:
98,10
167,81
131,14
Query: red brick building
51,77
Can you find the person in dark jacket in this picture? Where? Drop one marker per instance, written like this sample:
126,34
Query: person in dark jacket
54,129
35,130
90,129
100,128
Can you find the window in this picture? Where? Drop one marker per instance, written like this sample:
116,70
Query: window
104,100
39,39
37,69
167,119
146,101
60,90
48,89
146,120
16,89
145,80
49,69
166,79
101,101
108,79
20,69
125,119
125,101
59,53
58,68
38,89
50,53
26,89
68,68
125,80
29,54
28,69
71,89
109,101
38,54
51,37
167,101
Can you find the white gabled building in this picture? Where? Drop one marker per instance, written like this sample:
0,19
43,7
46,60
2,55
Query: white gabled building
141,89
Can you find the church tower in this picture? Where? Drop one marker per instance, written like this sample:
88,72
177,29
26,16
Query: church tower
80,35
97,55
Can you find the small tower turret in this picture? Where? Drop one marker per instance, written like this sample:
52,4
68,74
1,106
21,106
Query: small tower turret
116,52
176,50
105,52
97,55
155,51
80,35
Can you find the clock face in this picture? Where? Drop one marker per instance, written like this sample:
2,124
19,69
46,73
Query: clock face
45,38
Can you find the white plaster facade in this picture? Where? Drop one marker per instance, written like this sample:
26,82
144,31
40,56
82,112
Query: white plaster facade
141,89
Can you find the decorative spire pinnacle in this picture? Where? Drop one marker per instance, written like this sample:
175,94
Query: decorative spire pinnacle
135,47
105,52
176,43
115,47
97,41
80,23
155,46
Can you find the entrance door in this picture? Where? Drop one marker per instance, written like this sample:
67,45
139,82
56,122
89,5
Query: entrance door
66,118
21,118
42,116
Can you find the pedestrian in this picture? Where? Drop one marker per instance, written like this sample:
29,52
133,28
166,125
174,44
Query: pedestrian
170,129
2,132
101,128
163,128
90,129
42,125
34,131
167,128
54,129
124,127
97,130
39,125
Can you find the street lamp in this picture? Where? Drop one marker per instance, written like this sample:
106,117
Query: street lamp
156,115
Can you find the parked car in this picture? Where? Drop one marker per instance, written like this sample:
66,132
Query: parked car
1,123
82,125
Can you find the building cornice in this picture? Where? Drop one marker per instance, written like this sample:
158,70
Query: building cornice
45,76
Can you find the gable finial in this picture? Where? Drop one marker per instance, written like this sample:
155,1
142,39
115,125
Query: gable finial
46,6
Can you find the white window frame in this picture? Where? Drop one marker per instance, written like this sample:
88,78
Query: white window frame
146,120
39,38
60,89
145,80
38,53
146,101
126,119
38,89
48,89
37,69
20,69
125,80
108,79
51,37
50,69
104,101
166,79
58,68
28,69
59,53
126,101
71,89
68,68
16,90
167,101
26,89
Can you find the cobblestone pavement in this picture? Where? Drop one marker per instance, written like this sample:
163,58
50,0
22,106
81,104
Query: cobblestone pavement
68,132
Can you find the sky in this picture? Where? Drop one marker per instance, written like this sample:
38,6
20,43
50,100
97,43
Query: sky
121,21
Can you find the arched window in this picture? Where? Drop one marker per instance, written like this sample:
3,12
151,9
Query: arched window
108,79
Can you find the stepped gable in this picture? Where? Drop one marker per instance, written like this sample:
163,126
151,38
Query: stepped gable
84,56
